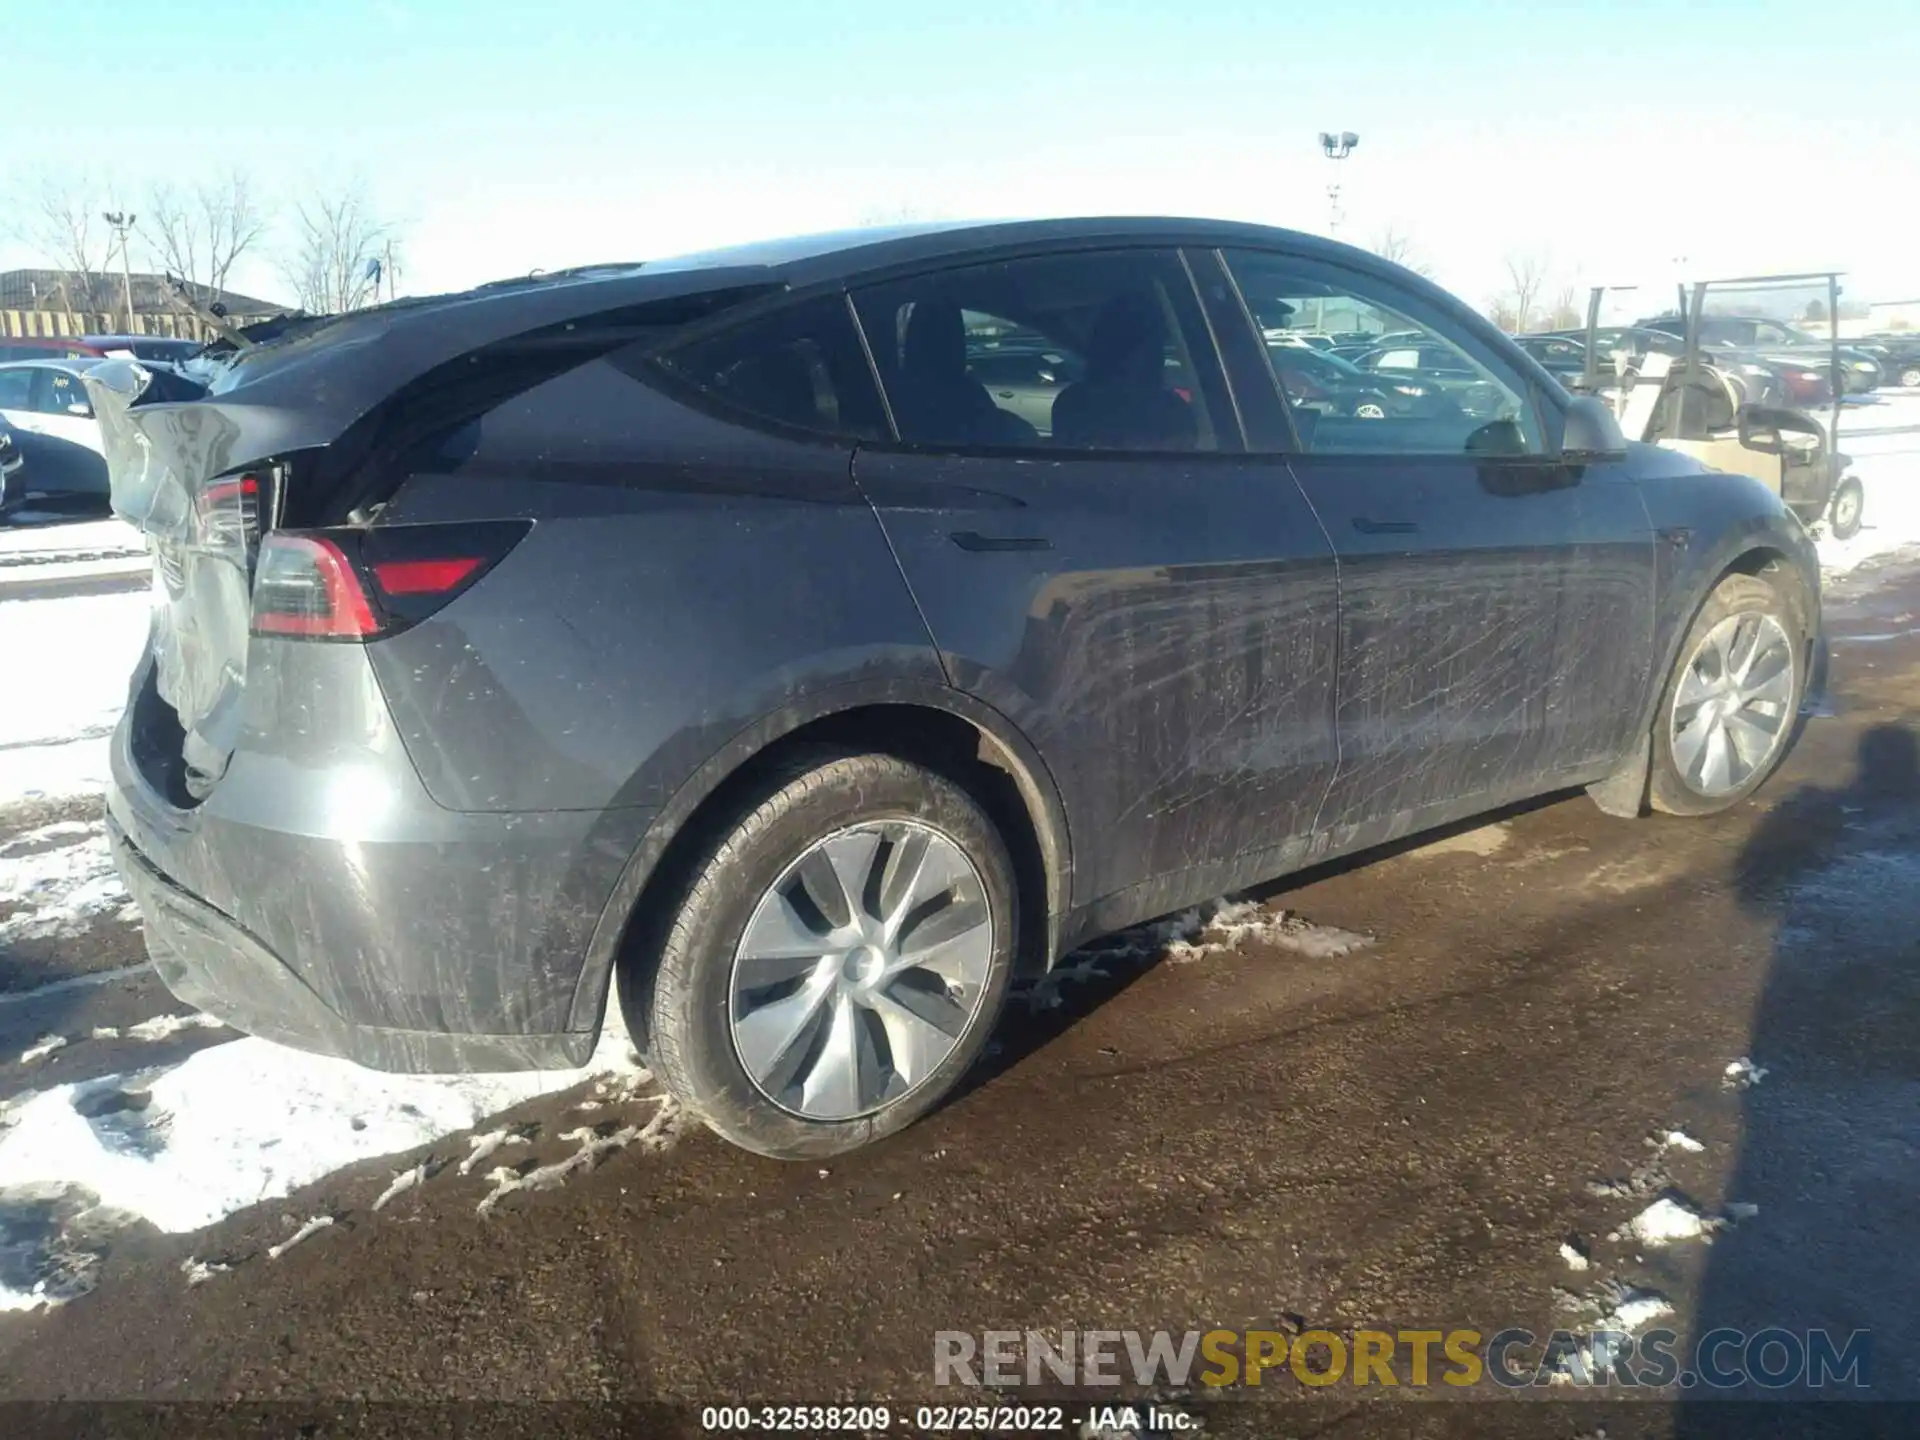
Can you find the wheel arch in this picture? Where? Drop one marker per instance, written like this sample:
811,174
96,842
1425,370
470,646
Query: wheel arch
945,729
1624,793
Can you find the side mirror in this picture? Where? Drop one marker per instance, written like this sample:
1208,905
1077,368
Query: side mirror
1592,433
81,408
1764,427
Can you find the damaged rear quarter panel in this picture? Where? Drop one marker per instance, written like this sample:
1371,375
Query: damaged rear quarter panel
683,578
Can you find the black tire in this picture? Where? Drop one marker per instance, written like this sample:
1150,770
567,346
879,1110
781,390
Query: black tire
686,1005
1668,790
1910,377
1849,506
1371,406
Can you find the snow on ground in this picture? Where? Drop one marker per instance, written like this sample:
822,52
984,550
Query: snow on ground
185,1145
65,664
1667,1220
1887,463
32,551
58,881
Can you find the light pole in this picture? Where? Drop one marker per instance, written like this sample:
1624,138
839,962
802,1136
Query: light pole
122,222
1336,147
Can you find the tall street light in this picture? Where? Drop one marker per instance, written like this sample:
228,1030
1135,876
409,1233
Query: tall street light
1336,147
122,222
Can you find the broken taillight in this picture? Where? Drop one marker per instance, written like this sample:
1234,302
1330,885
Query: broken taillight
363,584
226,511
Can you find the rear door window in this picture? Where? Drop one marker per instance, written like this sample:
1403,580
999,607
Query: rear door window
800,368
1100,351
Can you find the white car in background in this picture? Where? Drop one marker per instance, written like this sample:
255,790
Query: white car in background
45,397
55,435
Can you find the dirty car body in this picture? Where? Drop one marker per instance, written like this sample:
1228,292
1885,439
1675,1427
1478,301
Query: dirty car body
479,614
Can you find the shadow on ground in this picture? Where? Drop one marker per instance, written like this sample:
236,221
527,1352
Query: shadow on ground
1831,1135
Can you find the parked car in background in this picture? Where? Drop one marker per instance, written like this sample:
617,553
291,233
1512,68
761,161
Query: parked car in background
10,462
31,347
1440,368
45,397
1755,379
145,347
1898,356
1324,382
826,693
1560,356
51,418
1758,338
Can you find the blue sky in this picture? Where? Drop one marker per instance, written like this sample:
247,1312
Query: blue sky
507,136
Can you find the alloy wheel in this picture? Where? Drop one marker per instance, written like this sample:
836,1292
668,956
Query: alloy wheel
1732,707
860,970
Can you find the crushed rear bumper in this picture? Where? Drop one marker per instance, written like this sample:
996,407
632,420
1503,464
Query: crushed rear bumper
322,899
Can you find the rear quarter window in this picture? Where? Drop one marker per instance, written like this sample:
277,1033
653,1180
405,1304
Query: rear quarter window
800,367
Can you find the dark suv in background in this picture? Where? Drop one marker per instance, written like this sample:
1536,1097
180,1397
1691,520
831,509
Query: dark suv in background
707,623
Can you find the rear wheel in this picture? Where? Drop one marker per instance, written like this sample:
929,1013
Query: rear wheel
1849,503
838,959
1910,377
1370,407
1730,704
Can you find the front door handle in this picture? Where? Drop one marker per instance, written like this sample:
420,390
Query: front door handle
1384,527
973,540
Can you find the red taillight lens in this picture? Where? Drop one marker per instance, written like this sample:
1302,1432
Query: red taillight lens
424,577
362,584
305,585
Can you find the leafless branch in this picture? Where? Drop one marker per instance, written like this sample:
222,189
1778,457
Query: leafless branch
1526,278
201,236
1397,245
337,240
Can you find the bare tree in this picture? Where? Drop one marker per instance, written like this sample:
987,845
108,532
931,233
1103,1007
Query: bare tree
200,236
1499,309
1396,245
1565,312
340,249
1526,278
62,217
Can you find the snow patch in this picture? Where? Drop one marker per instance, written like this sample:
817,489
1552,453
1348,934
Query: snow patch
1669,1219
1236,922
58,880
657,1134
161,1027
1742,1074
182,1146
311,1228
1888,468
76,654
1574,1256
198,1272
1679,1140
402,1183
1610,1310
42,1048
481,1148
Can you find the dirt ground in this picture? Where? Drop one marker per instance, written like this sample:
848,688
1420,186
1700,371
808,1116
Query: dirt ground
1400,1137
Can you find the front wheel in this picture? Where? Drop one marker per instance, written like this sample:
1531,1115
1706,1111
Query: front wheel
1730,704
838,958
1910,377
1849,503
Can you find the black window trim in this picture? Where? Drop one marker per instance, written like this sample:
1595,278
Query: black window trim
1548,415
1227,427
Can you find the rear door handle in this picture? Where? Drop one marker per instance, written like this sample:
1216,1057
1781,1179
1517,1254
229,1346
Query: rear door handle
1384,527
973,540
